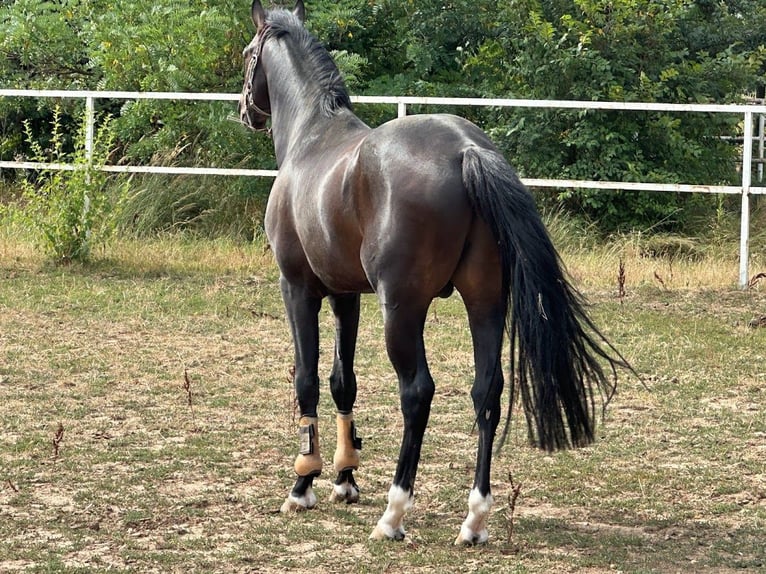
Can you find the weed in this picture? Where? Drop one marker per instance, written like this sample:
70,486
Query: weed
513,495
621,281
57,438
69,211
188,390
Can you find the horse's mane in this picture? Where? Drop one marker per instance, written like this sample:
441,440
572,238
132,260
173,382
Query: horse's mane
332,94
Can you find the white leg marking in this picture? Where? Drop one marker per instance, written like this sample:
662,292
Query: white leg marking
474,529
296,504
345,492
390,524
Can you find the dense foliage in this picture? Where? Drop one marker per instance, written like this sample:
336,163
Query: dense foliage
623,50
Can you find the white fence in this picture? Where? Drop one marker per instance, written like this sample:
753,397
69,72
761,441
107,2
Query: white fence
745,189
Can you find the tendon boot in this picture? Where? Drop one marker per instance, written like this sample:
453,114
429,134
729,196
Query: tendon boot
308,461
348,445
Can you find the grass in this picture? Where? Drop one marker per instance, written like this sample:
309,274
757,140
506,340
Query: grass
142,481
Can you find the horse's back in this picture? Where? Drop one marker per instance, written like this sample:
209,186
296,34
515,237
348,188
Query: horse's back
390,208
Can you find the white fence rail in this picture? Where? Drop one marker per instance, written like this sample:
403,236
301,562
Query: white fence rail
745,189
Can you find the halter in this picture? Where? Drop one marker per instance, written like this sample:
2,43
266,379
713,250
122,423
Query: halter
250,74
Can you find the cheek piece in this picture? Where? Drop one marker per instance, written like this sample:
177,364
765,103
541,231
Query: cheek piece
250,75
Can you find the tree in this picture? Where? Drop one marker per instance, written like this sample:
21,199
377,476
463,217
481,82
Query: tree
623,50
160,46
631,50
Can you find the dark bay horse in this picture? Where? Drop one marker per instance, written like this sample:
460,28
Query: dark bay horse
410,211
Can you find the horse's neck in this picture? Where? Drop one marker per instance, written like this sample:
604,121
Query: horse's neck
304,134
298,121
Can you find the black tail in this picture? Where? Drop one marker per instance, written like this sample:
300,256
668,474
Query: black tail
555,347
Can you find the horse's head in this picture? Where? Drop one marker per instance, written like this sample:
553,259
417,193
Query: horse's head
254,104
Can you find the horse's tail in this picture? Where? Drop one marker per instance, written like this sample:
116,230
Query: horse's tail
555,347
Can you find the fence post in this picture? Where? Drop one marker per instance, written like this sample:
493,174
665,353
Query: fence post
401,109
744,233
761,130
89,129
89,136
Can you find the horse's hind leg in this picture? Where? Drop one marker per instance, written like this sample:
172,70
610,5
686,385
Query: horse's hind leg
404,322
487,333
302,312
343,388
479,279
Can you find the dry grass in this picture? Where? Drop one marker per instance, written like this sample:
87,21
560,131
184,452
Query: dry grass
599,269
165,365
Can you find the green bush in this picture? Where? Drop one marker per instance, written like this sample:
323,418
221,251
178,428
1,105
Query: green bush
67,212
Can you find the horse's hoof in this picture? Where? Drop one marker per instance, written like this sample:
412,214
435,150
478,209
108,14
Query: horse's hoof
289,506
299,504
468,537
345,492
385,533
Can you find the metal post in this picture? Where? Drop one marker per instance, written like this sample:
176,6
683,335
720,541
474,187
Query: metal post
90,120
744,233
761,129
89,129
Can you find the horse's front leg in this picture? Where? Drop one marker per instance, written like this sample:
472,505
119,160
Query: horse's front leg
343,388
302,313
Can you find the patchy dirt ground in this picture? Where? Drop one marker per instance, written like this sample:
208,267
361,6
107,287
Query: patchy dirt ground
178,435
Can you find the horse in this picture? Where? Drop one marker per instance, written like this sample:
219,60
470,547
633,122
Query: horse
411,210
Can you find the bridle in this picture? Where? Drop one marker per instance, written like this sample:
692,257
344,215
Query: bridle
250,76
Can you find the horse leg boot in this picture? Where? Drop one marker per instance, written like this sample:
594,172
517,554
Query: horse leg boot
346,460
302,312
343,388
308,465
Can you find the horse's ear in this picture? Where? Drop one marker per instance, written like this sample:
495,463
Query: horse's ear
300,10
258,14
